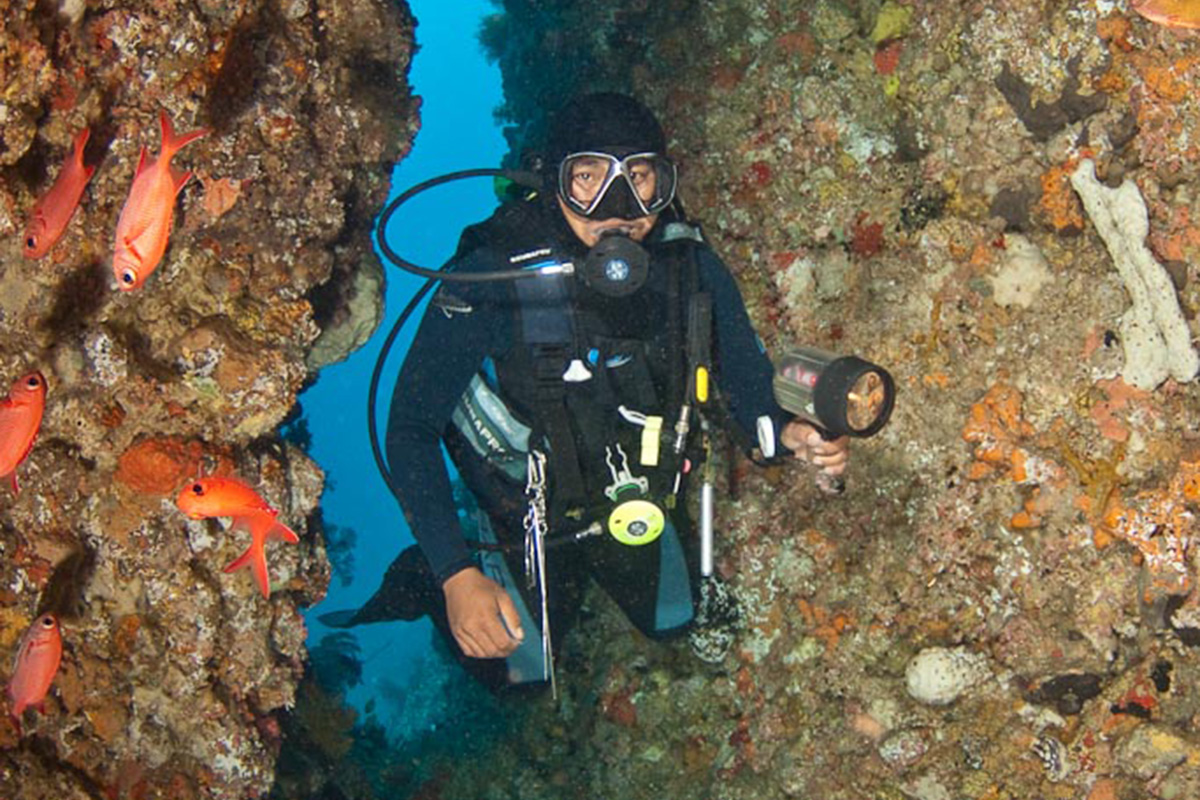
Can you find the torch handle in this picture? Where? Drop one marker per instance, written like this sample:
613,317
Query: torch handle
829,484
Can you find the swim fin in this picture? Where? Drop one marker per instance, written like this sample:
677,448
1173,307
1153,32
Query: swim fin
408,592
339,619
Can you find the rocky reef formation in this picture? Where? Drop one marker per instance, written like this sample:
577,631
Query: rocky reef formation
173,673
1003,603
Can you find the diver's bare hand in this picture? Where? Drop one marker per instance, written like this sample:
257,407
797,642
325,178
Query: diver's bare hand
806,442
483,618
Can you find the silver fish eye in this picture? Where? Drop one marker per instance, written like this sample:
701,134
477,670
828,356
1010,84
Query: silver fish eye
33,382
128,276
47,621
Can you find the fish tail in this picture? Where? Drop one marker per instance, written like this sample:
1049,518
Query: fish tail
281,531
81,140
178,178
172,144
255,558
141,165
265,526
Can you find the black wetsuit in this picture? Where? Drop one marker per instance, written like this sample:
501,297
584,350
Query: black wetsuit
474,328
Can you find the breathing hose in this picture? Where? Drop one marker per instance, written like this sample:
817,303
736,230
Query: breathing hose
433,277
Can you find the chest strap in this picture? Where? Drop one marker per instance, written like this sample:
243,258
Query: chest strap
548,331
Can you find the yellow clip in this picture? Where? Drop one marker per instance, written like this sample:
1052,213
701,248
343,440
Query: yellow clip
651,436
702,384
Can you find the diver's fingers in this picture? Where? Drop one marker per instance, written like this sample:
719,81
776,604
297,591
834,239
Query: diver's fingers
510,618
830,453
484,634
834,469
471,600
463,627
466,641
834,463
819,446
490,639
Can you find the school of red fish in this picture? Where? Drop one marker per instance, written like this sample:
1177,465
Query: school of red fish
142,232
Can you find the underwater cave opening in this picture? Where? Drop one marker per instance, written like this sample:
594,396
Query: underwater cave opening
389,672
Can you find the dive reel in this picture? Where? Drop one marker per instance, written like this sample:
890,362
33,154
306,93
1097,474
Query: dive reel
635,520
837,395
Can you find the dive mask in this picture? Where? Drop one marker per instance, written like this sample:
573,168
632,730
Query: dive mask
600,185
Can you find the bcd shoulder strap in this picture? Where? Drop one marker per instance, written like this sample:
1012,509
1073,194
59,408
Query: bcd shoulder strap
547,331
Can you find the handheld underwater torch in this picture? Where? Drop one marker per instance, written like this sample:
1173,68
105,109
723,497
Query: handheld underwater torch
837,395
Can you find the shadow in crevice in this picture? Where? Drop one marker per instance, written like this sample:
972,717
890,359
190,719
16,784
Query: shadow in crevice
77,299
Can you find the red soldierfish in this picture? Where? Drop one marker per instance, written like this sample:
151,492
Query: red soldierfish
145,221
37,662
20,420
53,211
225,497
1172,13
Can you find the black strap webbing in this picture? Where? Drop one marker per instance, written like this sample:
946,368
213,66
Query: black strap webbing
548,331
550,395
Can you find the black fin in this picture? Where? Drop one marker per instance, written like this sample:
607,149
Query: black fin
339,619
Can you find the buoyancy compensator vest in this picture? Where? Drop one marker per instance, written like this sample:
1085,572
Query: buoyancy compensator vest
597,382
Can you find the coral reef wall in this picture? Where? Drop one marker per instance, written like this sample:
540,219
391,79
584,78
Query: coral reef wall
997,201
173,672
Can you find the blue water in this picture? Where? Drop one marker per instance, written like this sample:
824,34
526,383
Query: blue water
459,90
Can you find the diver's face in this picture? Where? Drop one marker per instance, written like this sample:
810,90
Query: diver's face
587,178
588,230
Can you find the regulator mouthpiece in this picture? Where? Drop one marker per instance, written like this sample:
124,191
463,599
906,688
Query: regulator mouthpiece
616,265
843,395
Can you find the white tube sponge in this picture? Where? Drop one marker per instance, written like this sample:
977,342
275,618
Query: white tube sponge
1154,334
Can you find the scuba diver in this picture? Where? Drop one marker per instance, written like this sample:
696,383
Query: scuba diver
576,406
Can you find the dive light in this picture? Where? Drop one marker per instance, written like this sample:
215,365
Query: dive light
838,395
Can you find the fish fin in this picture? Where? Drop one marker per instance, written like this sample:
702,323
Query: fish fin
264,526
141,163
164,125
241,560
172,144
178,179
81,140
256,559
282,532
259,567
338,619
12,477
132,247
